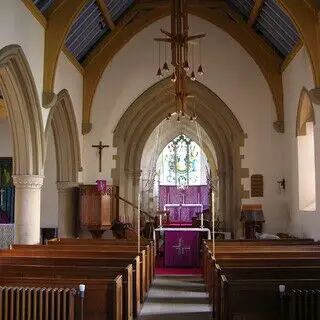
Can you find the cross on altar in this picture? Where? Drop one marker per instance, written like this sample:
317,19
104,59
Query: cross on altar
100,147
180,247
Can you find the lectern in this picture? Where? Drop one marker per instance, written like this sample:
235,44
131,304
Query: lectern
97,209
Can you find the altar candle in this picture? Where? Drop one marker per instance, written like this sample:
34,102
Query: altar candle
160,220
139,222
201,215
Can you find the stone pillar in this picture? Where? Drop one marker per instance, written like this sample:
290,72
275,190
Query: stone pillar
66,209
27,208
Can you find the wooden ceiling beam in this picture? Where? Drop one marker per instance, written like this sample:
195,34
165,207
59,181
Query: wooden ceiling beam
255,12
58,26
223,17
156,4
106,14
54,7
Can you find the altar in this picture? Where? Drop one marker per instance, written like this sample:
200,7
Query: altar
181,246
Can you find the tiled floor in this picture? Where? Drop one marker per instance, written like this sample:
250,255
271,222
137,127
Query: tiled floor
176,297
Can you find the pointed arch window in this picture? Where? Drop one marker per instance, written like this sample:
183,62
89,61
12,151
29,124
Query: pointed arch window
306,154
182,162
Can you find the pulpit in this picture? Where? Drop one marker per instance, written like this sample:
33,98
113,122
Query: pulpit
97,209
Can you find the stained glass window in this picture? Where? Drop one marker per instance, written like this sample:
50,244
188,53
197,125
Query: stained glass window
182,162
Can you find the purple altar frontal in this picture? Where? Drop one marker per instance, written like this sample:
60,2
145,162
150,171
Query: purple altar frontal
181,249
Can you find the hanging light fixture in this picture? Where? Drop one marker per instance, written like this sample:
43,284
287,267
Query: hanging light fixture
179,40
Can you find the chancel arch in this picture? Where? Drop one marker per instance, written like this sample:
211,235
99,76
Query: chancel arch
23,108
216,119
62,122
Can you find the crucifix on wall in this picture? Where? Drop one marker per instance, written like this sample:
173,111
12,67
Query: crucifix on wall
100,147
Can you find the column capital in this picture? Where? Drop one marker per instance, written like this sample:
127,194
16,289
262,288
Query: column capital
28,181
65,185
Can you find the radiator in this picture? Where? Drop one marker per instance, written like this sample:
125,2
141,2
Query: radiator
302,304
21,303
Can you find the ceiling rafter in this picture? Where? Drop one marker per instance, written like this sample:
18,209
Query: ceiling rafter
54,7
58,25
222,15
255,12
106,14
305,17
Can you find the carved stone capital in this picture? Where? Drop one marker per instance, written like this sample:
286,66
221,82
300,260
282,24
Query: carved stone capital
28,181
279,126
66,185
86,127
49,99
315,95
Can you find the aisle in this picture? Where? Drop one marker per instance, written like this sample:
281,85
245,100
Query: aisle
176,297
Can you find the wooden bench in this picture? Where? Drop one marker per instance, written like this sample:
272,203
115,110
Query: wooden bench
76,272
256,299
246,273
78,263
125,242
103,298
110,247
37,251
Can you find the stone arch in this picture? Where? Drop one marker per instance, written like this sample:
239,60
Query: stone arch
306,153
224,130
65,131
22,103
305,113
62,120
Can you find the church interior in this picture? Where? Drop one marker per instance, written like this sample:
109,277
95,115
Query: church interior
159,159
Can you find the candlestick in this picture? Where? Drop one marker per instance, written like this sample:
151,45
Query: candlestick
213,236
160,220
201,215
139,222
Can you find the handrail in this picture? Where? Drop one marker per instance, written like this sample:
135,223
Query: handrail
134,206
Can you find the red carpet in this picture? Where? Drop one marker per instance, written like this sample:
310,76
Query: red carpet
160,269
178,271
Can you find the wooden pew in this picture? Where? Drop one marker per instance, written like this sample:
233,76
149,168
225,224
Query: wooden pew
111,247
81,262
103,298
248,254
130,243
246,273
44,251
256,299
76,272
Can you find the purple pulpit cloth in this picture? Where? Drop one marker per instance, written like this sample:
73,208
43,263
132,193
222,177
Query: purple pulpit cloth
181,249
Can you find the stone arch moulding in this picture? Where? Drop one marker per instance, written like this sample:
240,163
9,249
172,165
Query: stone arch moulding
21,99
305,112
63,122
224,130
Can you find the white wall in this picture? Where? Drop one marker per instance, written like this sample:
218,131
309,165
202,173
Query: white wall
298,75
229,72
49,195
5,138
18,26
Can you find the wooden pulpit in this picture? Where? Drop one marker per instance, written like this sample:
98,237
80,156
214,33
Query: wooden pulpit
97,209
